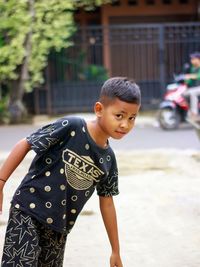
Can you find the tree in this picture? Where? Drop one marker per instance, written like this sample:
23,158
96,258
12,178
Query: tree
29,30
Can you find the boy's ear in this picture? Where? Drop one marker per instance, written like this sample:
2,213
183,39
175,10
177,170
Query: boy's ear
98,108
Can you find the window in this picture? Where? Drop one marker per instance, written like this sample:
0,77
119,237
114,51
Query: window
150,2
167,2
183,1
132,2
115,2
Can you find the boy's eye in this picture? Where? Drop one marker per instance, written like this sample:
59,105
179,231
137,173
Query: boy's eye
119,116
132,118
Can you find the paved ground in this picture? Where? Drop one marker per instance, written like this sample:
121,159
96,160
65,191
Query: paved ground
146,135
158,212
10,134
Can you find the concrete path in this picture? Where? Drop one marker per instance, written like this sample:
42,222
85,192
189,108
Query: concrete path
158,213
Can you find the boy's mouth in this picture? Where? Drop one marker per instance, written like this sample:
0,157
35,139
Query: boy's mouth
121,132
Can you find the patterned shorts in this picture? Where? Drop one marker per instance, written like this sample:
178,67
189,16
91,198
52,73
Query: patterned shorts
30,243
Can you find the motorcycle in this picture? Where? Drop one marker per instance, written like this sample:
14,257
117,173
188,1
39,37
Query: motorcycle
173,109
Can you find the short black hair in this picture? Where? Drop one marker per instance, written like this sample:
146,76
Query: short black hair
122,88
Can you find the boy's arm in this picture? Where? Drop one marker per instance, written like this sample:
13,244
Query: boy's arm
13,160
110,221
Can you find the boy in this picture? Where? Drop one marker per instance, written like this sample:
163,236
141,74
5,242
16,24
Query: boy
73,157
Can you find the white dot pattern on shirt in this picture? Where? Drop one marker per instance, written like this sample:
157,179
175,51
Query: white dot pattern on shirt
65,123
87,193
87,147
62,187
32,205
62,171
73,133
101,160
32,190
47,173
18,192
71,223
48,205
74,198
83,129
48,160
17,206
49,220
108,158
47,188
63,202
73,211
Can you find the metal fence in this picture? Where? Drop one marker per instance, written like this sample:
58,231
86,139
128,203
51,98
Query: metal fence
150,54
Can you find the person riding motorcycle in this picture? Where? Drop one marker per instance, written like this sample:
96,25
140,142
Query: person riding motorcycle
193,77
193,81
180,102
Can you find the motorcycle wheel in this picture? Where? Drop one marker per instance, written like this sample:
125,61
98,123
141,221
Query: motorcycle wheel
169,119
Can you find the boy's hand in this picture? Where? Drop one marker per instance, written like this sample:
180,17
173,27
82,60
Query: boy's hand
115,260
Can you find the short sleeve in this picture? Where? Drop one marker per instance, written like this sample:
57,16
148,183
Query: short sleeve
49,135
109,185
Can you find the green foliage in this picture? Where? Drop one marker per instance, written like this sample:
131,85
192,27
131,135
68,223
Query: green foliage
13,28
89,72
89,4
29,31
95,73
79,68
48,24
4,115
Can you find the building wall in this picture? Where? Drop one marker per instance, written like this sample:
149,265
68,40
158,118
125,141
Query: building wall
158,11
137,12
140,11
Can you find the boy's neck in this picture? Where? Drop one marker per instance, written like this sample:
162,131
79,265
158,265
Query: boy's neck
97,134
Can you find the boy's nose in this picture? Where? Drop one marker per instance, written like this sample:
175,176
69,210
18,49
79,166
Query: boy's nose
124,125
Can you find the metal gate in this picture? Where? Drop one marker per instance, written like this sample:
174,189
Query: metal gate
150,54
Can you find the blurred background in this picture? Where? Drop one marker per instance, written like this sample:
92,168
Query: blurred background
56,55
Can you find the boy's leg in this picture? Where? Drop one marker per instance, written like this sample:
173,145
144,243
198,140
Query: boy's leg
21,247
53,247
29,243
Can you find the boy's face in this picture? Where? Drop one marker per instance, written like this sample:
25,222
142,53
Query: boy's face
117,118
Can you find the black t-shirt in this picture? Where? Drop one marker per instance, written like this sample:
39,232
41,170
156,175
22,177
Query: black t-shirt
67,168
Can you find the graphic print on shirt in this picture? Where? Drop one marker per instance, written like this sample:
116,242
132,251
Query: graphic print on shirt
80,171
45,140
